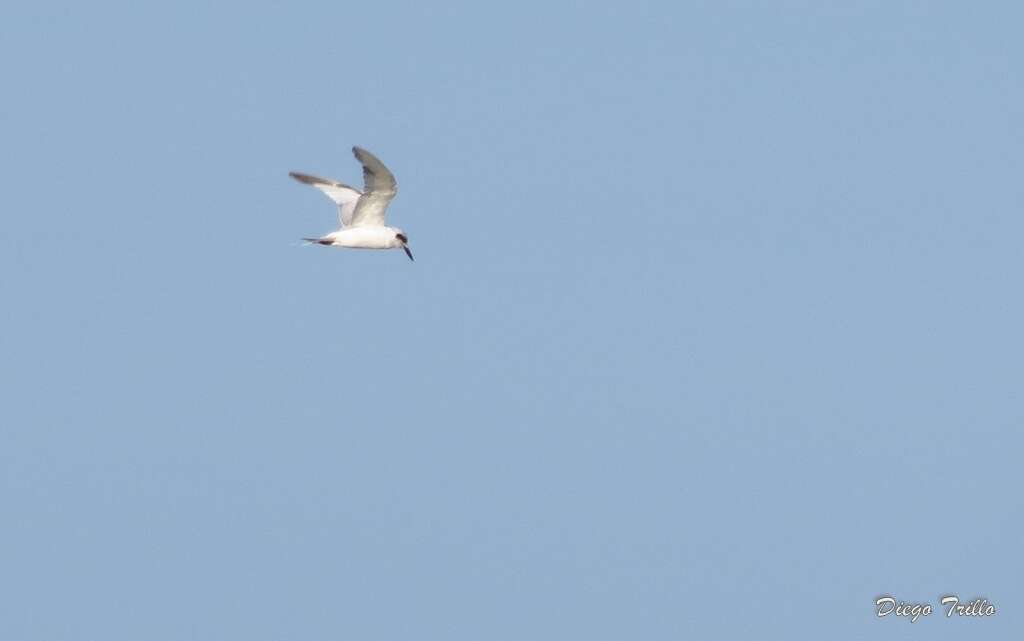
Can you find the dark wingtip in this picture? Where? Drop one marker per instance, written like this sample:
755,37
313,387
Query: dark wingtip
364,157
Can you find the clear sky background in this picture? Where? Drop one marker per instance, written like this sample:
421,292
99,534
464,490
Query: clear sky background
714,329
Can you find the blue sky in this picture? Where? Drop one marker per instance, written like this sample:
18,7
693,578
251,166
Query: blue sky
713,331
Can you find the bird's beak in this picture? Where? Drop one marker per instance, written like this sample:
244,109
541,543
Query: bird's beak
408,253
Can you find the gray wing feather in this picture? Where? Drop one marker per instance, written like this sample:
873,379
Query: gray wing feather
378,190
346,197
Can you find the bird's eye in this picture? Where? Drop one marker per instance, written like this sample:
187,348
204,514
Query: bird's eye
402,237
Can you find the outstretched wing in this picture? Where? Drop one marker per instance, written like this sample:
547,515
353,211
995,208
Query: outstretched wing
378,190
345,196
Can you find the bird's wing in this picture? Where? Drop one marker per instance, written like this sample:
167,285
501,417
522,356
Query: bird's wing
345,196
378,190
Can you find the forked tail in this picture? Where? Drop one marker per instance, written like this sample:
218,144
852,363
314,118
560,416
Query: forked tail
319,241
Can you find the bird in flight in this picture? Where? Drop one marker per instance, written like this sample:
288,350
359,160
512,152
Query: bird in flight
361,212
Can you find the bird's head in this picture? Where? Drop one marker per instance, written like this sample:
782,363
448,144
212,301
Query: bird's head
404,240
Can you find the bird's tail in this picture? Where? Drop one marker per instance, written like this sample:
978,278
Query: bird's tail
319,241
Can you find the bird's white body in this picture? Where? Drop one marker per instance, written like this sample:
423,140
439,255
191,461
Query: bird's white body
365,237
361,213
